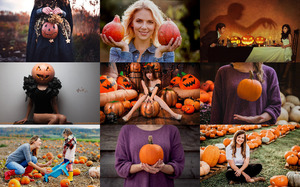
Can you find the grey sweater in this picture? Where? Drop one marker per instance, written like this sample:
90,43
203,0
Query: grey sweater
21,154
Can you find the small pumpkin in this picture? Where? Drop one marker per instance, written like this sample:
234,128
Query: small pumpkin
102,117
49,30
169,96
175,81
249,89
107,84
178,105
49,156
222,158
59,156
37,175
189,81
89,163
188,101
151,153
81,161
126,104
149,109
211,155
296,148
226,141
25,180
293,178
115,107
65,183
260,40
204,168
14,183
76,172
292,159
289,153
279,180
76,161
189,109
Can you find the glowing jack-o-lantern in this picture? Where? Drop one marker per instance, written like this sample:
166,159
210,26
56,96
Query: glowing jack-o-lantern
247,40
189,81
235,39
107,84
42,73
49,30
135,67
124,81
260,40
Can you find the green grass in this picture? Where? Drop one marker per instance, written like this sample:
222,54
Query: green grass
270,156
3,145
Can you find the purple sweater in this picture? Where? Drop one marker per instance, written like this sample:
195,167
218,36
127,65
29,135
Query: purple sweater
226,103
130,141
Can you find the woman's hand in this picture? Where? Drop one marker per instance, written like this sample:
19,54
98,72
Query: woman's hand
172,46
238,172
47,10
110,41
149,169
253,119
57,11
49,163
44,170
22,121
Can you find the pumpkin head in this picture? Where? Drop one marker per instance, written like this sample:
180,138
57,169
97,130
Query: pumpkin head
247,40
279,180
65,183
151,153
235,39
107,84
124,81
114,29
169,96
149,109
49,30
114,107
175,81
189,81
260,40
249,89
42,73
135,67
167,31
14,183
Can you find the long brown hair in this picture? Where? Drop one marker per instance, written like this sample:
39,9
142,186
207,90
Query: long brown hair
32,140
259,71
40,3
67,132
149,69
243,146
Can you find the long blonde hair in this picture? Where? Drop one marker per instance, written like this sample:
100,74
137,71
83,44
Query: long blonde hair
243,146
127,19
32,140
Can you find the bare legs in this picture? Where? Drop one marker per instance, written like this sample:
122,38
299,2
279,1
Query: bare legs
164,105
49,118
135,107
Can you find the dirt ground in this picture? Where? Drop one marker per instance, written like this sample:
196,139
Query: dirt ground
88,149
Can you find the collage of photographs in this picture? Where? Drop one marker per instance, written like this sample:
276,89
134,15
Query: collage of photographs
140,58
249,93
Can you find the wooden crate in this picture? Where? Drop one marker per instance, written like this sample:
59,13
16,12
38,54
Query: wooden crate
294,168
214,171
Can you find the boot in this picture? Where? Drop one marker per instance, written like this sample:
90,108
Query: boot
70,177
9,173
28,170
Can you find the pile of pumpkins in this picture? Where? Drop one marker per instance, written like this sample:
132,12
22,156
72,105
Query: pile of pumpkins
290,109
209,157
213,131
189,106
292,157
206,91
292,178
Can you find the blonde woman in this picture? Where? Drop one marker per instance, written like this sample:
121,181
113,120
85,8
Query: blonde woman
238,157
25,157
228,108
140,44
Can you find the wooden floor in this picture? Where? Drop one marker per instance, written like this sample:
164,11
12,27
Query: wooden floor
163,118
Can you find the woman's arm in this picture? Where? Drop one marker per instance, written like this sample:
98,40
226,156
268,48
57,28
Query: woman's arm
146,91
232,165
245,165
172,46
35,166
44,165
54,105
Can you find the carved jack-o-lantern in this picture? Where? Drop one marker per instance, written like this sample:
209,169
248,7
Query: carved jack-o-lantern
149,109
135,67
189,81
49,30
107,84
42,73
175,81
155,64
235,39
124,81
247,40
260,40
115,107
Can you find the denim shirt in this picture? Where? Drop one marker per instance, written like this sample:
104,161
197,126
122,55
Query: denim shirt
117,55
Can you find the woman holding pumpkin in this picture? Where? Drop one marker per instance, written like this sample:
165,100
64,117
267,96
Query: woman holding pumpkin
50,31
229,108
25,157
140,44
150,84
42,89
162,174
238,157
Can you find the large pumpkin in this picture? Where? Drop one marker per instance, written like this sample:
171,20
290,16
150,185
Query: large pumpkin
189,81
167,31
135,67
49,30
249,89
114,29
107,84
211,155
279,180
42,73
175,81
115,107
65,183
293,178
151,153
149,109
124,81
14,183
204,168
247,40
169,96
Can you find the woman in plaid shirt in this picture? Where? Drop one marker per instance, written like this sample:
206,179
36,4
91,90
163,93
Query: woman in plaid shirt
69,151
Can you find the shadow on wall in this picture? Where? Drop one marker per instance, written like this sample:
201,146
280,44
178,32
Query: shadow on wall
235,13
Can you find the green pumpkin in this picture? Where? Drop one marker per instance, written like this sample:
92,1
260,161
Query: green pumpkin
265,139
294,178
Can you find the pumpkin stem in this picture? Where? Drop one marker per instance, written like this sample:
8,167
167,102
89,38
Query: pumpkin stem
150,139
183,74
251,74
121,73
178,75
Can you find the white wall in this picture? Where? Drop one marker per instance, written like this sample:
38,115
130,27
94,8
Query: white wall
78,98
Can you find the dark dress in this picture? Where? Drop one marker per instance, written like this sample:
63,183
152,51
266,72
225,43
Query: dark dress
40,49
207,40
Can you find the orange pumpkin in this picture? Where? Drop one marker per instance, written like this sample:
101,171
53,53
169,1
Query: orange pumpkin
126,104
89,163
260,40
76,161
133,103
102,117
124,81
14,183
247,40
107,84
189,109
211,155
189,81
59,156
288,153
49,30
114,29
76,172
202,138
37,175
222,158
167,31
279,180
81,161
188,102
249,89
65,183
49,156
42,73
205,86
169,96
25,180
292,160
151,153
178,105
226,142
175,81
149,109
296,148
115,107
135,67
204,96
235,39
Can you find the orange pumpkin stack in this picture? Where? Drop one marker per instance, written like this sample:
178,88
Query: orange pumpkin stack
292,157
206,91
